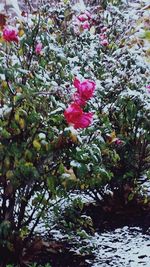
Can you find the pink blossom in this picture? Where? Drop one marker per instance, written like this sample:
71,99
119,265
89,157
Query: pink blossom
85,25
104,42
76,83
74,115
148,88
83,17
84,121
77,99
38,48
118,141
104,29
102,36
10,34
85,89
81,22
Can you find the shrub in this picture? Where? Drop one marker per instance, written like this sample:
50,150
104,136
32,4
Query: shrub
42,157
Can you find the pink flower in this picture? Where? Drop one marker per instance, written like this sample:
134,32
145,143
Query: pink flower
81,22
104,29
104,42
10,35
85,89
84,121
77,99
74,115
102,36
118,141
148,88
85,25
76,83
83,17
38,48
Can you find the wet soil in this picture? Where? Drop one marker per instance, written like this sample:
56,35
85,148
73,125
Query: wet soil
110,216
121,238
120,229
41,252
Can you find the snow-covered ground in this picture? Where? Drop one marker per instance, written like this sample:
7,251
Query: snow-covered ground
124,247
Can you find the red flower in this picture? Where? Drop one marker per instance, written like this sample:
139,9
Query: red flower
85,25
83,17
77,99
74,115
85,89
84,121
76,83
104,42
102,36
117,141
10,35
38,48
104,29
